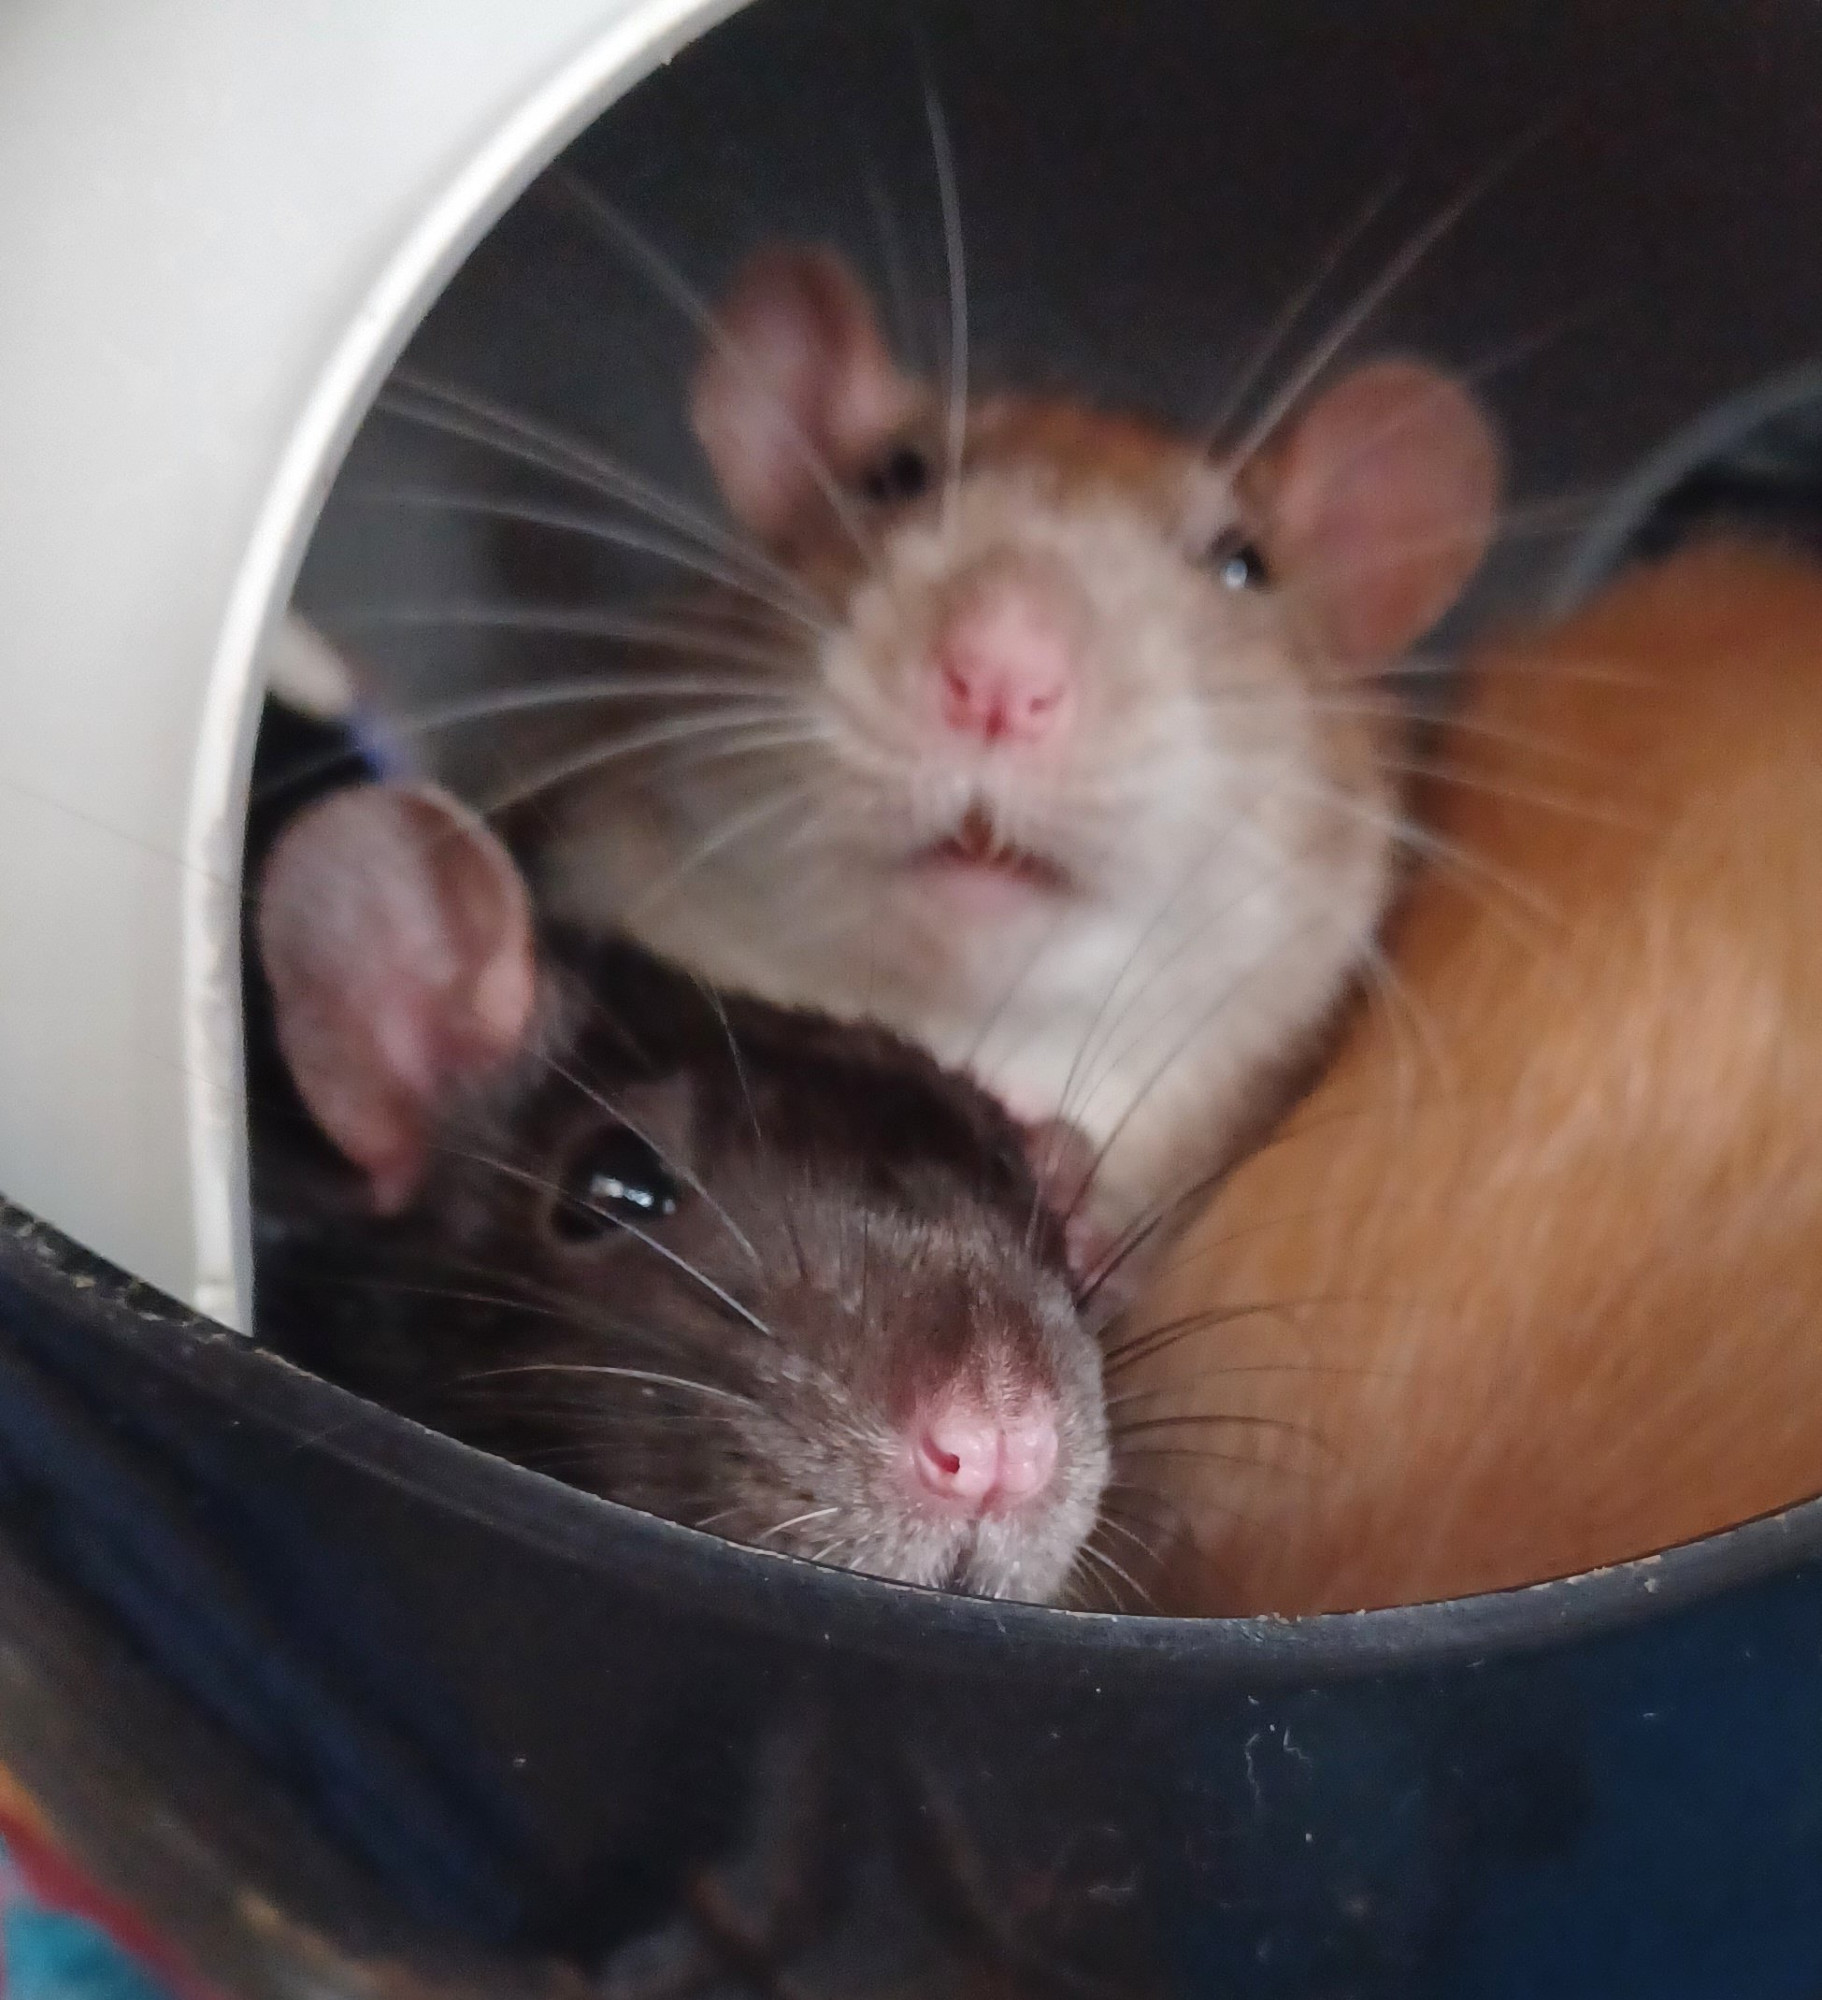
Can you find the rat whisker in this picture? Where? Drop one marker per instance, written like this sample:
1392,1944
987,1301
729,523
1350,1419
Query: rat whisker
462,414
661,272
1400,267
586,690
1121,1576
743,1082
545,1185
1201,860
693,1181
1204,1456
650,1376
576,622
1450,856
796,1521
617,534
1221,1420
754,742
1135,1493
903,320
738,728
1111,1522
1114,1054
1283,322
449,1294
1457,775
735,827
942,154
1501,360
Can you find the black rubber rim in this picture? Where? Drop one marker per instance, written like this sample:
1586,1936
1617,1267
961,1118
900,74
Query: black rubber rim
835,1609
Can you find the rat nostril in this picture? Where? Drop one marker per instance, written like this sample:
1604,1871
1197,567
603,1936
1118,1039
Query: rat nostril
945,1464
969,1458
958,1454
1029,1453
959,692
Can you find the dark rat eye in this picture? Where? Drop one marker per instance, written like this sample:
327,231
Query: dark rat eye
1236,561
903,474
616,1177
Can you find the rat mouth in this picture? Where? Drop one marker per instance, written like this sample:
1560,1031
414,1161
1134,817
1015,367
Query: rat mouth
976,848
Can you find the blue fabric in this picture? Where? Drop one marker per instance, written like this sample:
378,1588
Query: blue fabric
51,1956
48,1954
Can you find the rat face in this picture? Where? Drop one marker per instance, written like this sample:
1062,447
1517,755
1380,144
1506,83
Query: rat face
813,1302
747,1269
1059,654
1064,752
1049,673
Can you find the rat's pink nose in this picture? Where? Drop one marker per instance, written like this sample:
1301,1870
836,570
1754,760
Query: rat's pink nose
1003,665
974,1460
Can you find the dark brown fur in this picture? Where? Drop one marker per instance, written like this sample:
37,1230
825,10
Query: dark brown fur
897,1241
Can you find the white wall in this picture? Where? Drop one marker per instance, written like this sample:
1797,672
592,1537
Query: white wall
218,219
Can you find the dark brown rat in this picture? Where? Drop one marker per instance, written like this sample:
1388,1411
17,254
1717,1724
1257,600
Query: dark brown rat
738,1265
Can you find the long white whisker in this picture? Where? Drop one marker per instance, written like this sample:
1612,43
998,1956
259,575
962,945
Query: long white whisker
475,419
620,230
1284,321
731,830
718,1007
649,1375
1178,1048
538,696
620,1117
1159,918
632,1229
1452,855
796,1521
942,153
597,756
596,528
567,621
1401,267
1111,1521
1238,824
905,331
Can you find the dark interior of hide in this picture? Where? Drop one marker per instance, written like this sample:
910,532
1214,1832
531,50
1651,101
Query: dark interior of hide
1590,215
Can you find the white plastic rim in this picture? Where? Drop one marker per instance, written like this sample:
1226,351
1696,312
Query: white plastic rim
220,221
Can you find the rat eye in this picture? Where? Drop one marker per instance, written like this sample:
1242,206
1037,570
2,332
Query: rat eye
1236,561
903,474
616,1177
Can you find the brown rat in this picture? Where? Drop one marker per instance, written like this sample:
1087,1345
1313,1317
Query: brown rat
742,1266
1051,738
1529,1282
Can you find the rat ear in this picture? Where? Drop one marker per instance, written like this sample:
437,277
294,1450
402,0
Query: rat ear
796,374
1381,500
396,935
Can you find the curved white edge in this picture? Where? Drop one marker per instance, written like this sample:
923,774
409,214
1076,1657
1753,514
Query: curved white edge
1717,430
525,143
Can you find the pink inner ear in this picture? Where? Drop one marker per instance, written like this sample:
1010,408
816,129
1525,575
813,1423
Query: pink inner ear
797,376
397,938
1384,502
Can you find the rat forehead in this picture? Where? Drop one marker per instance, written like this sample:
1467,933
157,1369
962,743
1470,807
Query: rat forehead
1080,452
756,1078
